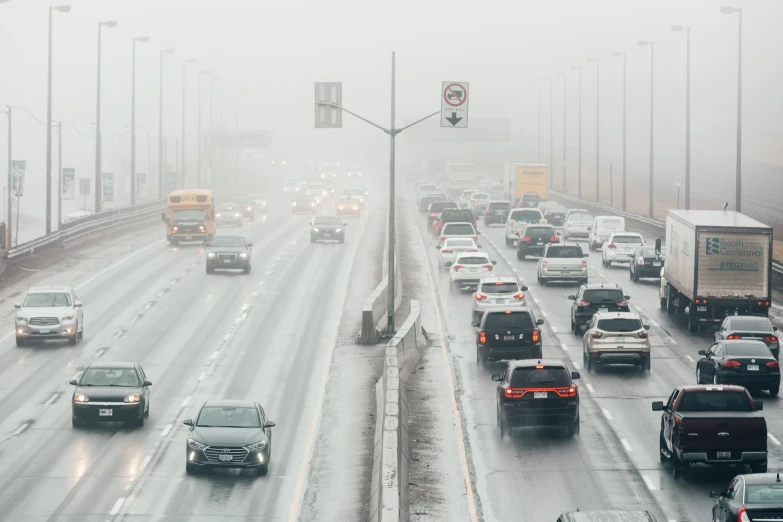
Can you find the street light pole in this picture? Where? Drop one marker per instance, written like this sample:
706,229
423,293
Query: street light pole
625,103
161,145
538,134
59,174
200,170
597,128
142,39
579,154
551,132
184,168
678,28
565,89
738,195
652,120
98,174
9,182
52,9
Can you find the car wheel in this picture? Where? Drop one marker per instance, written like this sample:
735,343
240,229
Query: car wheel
140,421
504,428
679,468
75,422
608,264
773,392
693,326
342,240
519,255
20,341
646,365
246,269
663,303
263,470
147,410
698,376
190,469
509,242
210,270
715,379
635,277
590,364
662,450
630,273
573,428
312,240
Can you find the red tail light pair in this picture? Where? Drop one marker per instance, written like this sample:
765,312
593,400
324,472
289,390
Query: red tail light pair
582,303
489,267
447,251
524,239
733,337
554,239
516,393
457,267
771,339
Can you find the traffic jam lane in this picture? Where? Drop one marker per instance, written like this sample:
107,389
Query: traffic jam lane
626,395
539,472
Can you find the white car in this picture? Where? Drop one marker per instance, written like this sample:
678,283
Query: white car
478,203
518,219
495,293
292,187
577,225
465,197
619,248
453,246
458,229
468,269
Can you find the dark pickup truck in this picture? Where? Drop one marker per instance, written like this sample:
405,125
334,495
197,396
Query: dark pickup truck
716,425
453,215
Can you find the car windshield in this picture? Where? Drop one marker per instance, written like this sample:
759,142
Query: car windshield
227,208
228,417
715,401
531,197
347,202
480,195
500,287
428,188
566,252
610,223
557,210
188,215
465,215
472,260
526,216
580,218
627,239
460,243
620,325
547,204
757,324
504,320
647,252
764,493
428,200
304,200
747,349
109,377
540,377
540,231
603,295
458,229
327,220
228,241
242,202
43,300
500,206
291,184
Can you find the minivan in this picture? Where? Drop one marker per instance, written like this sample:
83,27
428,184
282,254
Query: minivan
602,228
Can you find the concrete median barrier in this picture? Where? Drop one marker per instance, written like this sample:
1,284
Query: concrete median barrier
389,501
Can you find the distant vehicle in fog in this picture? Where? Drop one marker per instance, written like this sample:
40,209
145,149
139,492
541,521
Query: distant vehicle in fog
190,216
248,209
304,204
292,186
348,206
228,214
259,201
229,252
327,228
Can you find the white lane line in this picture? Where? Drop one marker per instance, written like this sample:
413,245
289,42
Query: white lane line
626,445
227,337
145,462
160,293
577,365
514,270
135,318
186,401
535,300
773,439
201,377
648,481
590,387
553,328
119,334
690,358
21,428
117,506
563,346
166,430
51,399
544,313
100,352
672,341
214,355
607,414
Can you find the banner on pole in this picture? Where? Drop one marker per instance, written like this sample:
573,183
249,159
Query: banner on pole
141,185
18,168
69,183
108,186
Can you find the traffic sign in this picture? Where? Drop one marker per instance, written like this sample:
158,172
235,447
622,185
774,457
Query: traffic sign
454,105
328,117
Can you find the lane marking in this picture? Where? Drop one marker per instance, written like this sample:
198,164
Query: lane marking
21,428
563,346
166,430
117,506
773,439
577,365
145,462
626,445
590,387
119,334
214,355
201,377
553,328
544,313
648,481
100,352
186,401
227,337
535,300
51,399
607,414
690,358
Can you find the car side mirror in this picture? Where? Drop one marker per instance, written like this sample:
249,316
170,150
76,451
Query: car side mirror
494,262
475,324
657,246
345,224
759,405
449,263
716,494
590,229
250,245
774,328
496,377
647,327
17,305
587,255
269,424
188,422
703,352
147,383
437,247
626,297
574,376
479,245
572,298
523,288
77,304
309,222
73,382
478,232
539,322
657,406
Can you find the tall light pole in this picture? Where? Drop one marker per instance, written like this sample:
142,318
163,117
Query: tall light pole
579,154
547,79
59,173
184,64
98,174
625,103
10,184
538,135
52,9
730,10
597,128
142,39
565,84
643,43
200,170
678,28
161,146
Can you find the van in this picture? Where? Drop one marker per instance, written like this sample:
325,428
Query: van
602,228
496,192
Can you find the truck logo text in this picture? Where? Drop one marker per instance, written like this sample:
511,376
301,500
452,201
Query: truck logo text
718,246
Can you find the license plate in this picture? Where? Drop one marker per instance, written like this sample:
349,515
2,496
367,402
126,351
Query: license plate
498,301
540,242
564,273
188,237
603,309
540,395
701,308
227,261
619,338
327,235
655,263
43,330
508,337
225,458
105,413
472,269
753,367
724,454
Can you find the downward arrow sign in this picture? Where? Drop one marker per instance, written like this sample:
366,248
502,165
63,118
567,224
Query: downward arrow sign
453,120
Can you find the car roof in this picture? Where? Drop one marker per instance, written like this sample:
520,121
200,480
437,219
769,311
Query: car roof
471,254
608,515
460,239
737,342
231,403
490,280
47,289
758,318
537,210
527,363
618,315
458,223
634,234
110,365
712,387
762,478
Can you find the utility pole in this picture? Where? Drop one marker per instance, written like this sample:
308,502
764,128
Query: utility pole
162,170
579,160
142,39
60,174
10,183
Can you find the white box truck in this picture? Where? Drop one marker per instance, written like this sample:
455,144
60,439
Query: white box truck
718,263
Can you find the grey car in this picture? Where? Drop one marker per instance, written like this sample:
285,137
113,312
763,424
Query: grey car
228,214
327,228
497,293
562,263
229,252
49,313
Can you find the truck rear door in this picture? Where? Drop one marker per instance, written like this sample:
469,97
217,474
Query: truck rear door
722,437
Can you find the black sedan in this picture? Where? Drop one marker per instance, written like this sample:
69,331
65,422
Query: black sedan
229,252
537,392
646,263
749,497
744,363
327,228
229,434
750,327
304,205
111,392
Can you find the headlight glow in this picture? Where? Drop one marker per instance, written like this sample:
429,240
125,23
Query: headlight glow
80,397
237,214
211,255
174,229
257,446
133,398
340,208
294,204
316,230
243,255
196,444
218,215
338,230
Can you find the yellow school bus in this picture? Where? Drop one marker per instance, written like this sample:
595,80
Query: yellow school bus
190,216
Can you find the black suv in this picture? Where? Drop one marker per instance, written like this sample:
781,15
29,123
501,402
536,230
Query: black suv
327,228
497,212
537,392
529,200
507,334
594,298
534,238
646,262
229,252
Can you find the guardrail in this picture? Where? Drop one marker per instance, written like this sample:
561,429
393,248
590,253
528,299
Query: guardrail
82,227
389,500
777,267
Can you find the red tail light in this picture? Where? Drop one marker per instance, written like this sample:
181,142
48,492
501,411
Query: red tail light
544,265
554,239
524,239
643,335
489,267
596,335
457,267
640,261
622,303
771,339
442,238
536,336
773,364
582,303
473,250
742,515
734,336
516,393
584,264
475,238
447,251
520,296
731,364
474,224
480,297
488,212
432,214
482,337
611,245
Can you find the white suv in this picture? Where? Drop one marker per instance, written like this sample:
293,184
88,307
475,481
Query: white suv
619,248
49,313
458,230
468,269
